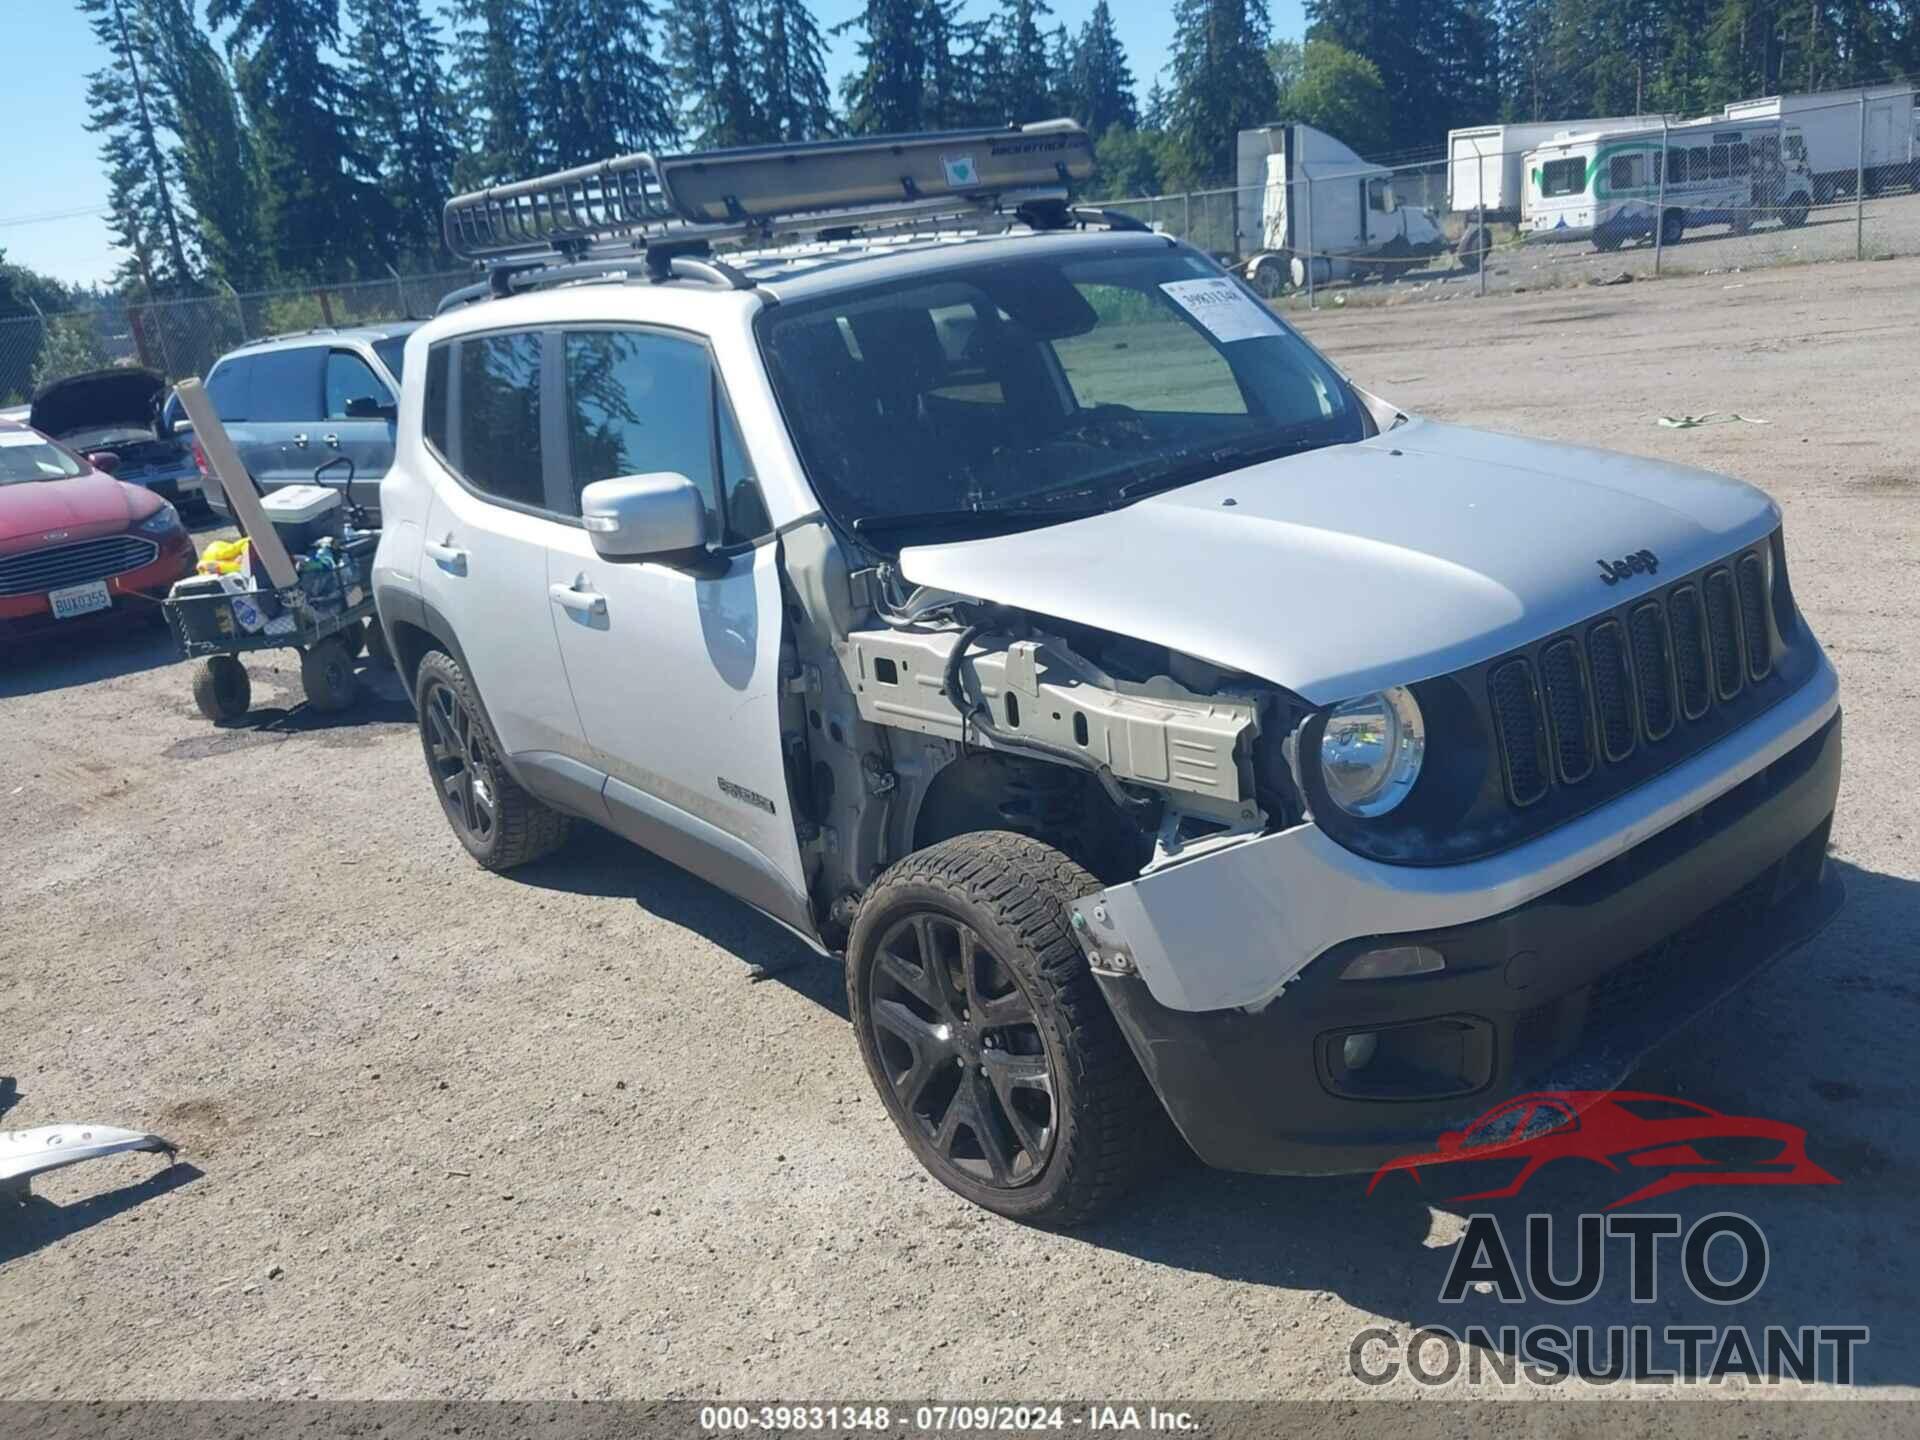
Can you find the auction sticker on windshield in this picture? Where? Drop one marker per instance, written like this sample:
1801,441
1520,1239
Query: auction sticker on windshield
1228,312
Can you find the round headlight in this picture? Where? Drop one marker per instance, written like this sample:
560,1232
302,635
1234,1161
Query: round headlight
1371,751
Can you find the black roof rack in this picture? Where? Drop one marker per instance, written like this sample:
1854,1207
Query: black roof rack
684,203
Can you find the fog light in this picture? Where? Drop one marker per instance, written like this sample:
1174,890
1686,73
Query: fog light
1393,961
1358,1049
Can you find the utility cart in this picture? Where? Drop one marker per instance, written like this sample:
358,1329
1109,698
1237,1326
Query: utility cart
304,586
216,627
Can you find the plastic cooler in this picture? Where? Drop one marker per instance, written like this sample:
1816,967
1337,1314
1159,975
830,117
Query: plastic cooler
303,515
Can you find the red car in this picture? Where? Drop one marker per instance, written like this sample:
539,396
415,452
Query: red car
1622,1131
75,542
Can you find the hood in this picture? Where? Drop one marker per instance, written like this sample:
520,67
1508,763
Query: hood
124,397
89,504
1344,570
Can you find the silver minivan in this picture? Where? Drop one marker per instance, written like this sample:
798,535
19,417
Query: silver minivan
317,405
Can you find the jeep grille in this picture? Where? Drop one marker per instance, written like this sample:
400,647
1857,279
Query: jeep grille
1638,676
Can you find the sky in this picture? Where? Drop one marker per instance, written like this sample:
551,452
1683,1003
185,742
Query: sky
50,166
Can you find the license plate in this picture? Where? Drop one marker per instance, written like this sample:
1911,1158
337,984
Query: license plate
79,600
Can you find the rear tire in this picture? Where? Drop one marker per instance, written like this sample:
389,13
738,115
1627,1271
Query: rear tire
500,823
326,673
221,689
961,953
1673,225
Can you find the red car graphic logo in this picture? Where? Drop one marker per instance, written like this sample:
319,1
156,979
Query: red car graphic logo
1625,1131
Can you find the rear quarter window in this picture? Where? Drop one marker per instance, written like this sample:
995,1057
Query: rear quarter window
433,403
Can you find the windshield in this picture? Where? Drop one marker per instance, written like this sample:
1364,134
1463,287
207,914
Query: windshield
1041,386
27,456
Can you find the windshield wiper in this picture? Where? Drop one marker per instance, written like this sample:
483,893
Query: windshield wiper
985,514
1184,467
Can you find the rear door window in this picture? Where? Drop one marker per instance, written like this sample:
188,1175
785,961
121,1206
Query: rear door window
500,450
286,384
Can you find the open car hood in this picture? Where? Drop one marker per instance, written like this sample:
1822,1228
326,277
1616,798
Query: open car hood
1340,571
122,397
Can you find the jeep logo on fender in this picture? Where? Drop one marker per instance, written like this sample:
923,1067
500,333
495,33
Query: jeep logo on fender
1640,562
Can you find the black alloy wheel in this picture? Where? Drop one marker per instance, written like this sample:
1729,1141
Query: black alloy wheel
461,759
963,1050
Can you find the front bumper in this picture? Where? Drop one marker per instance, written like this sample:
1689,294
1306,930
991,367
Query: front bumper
139,590
1562,992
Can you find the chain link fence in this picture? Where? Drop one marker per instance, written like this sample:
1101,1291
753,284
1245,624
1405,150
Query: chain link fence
1771,182
1776,182
180,338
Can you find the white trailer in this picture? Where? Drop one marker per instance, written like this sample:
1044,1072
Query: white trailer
1834,122
1486,171
1309,207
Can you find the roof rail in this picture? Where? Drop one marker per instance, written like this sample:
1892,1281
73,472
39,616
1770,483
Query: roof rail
753,193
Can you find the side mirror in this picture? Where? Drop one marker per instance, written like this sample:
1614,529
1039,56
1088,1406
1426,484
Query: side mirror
1449,1141
639,515
107,460
365,407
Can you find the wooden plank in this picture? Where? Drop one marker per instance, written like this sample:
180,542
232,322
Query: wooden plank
234,479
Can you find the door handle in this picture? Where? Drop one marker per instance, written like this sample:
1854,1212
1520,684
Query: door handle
448,556
580,602
300,440
333,441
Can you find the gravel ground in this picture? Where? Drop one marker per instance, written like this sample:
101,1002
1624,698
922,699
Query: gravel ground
458,1135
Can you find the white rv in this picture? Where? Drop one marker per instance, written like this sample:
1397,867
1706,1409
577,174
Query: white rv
1837,124
1615,186
1308,205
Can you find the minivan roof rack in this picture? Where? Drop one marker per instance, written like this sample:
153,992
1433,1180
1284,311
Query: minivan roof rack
688,203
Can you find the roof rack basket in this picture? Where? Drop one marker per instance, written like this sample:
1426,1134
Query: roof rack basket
755,192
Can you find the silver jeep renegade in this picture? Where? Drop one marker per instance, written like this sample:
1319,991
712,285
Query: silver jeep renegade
1177,742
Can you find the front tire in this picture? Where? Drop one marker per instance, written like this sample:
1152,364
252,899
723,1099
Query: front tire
500,824
986,1036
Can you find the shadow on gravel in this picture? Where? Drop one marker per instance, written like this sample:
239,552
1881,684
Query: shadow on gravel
40,1222
9,1094
94,650
1823,1041
382,704
595,862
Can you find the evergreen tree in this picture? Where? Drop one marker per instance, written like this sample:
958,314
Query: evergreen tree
887,93
402,110
1438,59
789,72
493,48
711,46
1099,87
215,162
320,212
1020,76
1221,84
146,222
598,87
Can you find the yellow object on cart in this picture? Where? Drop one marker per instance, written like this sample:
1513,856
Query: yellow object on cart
223,557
